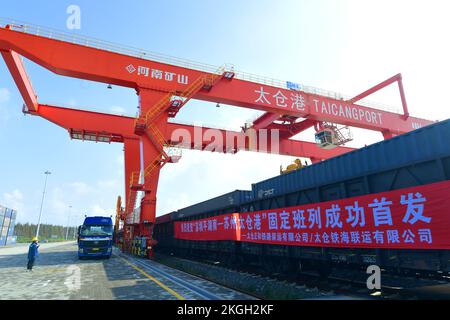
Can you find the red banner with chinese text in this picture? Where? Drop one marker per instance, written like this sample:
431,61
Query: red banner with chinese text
411,218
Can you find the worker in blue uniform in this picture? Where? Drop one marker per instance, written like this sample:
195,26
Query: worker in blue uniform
33,253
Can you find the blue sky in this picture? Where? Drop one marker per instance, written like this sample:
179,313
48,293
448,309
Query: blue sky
344,46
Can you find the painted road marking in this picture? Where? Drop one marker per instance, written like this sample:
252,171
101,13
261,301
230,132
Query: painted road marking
159,283
178,281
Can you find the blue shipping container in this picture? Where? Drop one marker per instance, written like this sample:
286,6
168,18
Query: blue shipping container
11,228
164,218
11,240
7,224
416,146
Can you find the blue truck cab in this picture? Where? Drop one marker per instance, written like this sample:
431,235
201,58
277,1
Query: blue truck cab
95,237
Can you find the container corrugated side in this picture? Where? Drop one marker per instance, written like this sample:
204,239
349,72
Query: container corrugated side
230,199
11,240
11,228
9,213
164,218
419,145
2,215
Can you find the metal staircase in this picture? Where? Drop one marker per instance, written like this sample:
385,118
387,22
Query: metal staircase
174,101
132,193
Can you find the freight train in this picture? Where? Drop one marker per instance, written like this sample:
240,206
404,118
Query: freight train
418,159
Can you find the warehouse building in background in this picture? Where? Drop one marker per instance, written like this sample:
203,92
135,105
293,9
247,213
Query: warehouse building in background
7,222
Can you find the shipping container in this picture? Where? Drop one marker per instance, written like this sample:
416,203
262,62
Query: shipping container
2,216
7,223
418,158
164,218
417,146
11,239
231,199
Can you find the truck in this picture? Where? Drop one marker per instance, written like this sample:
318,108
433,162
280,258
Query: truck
95,237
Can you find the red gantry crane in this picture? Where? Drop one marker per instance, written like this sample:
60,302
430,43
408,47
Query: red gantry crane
164,85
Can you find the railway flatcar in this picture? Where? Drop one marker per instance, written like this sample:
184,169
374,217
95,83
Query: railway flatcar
405,179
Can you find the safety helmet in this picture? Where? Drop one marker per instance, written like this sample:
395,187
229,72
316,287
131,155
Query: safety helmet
34,239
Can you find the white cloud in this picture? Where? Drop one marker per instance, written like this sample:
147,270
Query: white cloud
202,175
81,188
57,203
169,204
4,95
118,110
108,184
14,199
120,160
84,199
401,43
71,102
98,210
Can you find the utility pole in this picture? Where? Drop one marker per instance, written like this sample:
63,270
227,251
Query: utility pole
68,221
47,173
74,232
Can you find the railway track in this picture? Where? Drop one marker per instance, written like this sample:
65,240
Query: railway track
182,284
348,283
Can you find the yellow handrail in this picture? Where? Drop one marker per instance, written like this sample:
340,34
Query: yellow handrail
157,134
188,93
159,105
131,202
154,131
152,165
134,178
191,89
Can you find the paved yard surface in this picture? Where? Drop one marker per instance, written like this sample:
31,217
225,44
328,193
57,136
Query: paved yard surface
58,274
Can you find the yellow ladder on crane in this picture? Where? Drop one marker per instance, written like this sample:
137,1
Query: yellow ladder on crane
146,125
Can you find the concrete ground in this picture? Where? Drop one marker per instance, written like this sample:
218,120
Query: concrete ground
60,275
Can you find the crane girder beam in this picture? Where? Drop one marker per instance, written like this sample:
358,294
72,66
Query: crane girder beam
265,120
82,61
296,128
210,139
397,78
320,108
89,121
291,129
376,88
176,133
19,74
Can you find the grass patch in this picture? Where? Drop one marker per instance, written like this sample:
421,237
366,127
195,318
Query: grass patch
21,239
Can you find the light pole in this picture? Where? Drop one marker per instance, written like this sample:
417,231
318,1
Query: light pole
68,221
42,203
75,229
